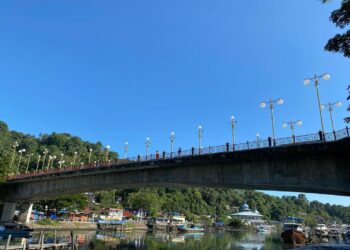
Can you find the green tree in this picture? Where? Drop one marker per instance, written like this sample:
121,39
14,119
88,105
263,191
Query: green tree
340,43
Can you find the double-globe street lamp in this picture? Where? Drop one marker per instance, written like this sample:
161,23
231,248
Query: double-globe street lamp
147,143
200,136
28,162
272,104
75,157
44,158
258,140
172,139
330,106
15,145
292,125
21,151
316,80
108,147
233,127
61,162
37,164
126,150
90,152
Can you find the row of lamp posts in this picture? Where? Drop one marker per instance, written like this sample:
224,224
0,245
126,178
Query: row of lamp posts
271,103
292,124
46,161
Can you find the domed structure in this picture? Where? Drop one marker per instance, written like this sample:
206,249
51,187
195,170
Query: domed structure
244,207
248,216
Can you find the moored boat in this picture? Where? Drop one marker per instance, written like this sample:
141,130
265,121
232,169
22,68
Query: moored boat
15,230
321,230
334,233
263,228
191,228
153,223
346,231
293,232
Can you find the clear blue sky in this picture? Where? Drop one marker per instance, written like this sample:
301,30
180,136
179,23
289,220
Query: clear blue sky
118,71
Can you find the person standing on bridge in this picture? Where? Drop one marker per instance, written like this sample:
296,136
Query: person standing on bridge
157,155
179,152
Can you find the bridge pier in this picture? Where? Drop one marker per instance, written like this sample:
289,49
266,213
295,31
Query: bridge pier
9,208
8,211
25,212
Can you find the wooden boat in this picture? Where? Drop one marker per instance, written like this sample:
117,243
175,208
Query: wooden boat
263,228
154,223
334,233
190,229
293,232
15,230
321,230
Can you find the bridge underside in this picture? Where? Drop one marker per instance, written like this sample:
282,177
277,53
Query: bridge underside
315,168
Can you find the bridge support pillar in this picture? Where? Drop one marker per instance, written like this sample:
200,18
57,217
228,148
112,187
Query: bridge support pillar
25,212
8,211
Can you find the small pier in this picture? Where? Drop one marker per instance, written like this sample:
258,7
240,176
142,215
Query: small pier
40,244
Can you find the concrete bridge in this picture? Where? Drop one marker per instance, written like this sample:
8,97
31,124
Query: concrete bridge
316,167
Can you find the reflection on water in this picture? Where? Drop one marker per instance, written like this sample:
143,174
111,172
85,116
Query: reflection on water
166,241
193,241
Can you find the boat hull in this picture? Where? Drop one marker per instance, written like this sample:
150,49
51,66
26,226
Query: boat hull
184,229
293,237
15,234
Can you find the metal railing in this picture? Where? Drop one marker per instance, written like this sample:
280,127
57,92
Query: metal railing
302,139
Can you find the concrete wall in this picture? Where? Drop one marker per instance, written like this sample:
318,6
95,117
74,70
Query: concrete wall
316,168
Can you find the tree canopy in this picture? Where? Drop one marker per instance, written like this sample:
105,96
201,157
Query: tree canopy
340,43
60,147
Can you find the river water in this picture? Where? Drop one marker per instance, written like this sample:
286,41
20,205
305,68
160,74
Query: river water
164,241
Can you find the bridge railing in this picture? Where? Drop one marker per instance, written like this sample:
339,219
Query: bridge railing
301,139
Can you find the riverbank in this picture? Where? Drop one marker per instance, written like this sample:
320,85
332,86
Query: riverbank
63,226
78,226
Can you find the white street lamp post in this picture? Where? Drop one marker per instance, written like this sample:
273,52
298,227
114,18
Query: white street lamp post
272,103
107,152
316,79
90,152
233,126
61,159
147,143
292,125
52,161
75,157
49,162
37,164
330,107
29,157
200,135
44,158
172,139
126,149
61,162
258,139
21,151
15,145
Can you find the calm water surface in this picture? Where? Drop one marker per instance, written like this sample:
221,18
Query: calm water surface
163,241
153,241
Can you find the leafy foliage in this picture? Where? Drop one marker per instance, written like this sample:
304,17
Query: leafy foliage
341,18
194,202
71,203
55,143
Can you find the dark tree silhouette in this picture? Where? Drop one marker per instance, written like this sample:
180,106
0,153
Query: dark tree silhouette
340,43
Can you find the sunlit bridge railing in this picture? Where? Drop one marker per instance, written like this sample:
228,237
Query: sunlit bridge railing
254,145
